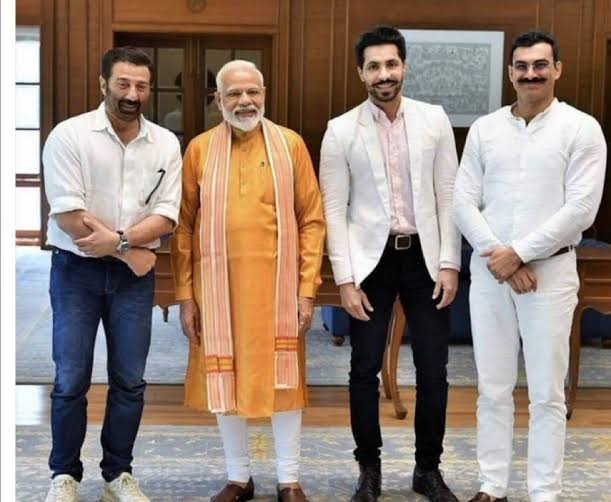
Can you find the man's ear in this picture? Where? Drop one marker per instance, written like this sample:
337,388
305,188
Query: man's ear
360,72
558,67
103,86
217,100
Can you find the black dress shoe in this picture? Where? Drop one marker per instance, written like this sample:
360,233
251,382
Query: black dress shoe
431,485
484,497
370,484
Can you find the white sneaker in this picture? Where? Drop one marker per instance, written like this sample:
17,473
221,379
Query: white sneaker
63,489
123,489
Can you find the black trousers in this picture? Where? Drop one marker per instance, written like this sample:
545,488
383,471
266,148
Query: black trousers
400,273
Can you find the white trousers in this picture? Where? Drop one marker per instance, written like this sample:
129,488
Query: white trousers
286,426
499,317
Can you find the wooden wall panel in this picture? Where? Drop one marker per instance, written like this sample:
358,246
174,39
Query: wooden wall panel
28,12
317,72
215,12
314,76
94,48
568,28
61,52
77,56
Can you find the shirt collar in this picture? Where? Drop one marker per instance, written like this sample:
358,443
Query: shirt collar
101,122
539,116
380,116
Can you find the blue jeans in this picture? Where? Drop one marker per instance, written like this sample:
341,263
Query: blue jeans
83,292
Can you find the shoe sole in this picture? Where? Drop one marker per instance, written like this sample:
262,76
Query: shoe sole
107,498
418,489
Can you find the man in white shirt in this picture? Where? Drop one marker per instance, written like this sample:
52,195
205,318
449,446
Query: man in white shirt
113,182
387,170
530,181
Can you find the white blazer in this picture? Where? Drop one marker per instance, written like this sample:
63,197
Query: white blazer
355,189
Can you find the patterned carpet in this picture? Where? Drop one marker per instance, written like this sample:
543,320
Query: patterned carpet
185,464
327,364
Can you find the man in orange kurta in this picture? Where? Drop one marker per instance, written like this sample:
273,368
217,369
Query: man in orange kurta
252,195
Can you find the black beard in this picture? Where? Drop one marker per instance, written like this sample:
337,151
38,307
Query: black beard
376,94
129,102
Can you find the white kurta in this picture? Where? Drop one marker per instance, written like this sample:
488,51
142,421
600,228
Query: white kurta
535,187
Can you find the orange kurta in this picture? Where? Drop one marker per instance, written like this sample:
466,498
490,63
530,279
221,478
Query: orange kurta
251,250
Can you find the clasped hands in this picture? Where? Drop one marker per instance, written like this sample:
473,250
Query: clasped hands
506,266
103,242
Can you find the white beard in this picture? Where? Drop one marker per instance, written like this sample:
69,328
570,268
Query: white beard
243,124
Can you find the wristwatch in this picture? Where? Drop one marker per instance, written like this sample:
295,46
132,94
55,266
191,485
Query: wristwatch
123,245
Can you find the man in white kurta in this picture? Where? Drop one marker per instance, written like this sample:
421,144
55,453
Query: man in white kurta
530,181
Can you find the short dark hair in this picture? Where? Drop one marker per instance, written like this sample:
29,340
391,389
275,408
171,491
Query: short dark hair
533,37
126,54
379,35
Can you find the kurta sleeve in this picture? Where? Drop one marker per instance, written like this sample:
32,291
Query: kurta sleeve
584,182
469,196
310,220
182,241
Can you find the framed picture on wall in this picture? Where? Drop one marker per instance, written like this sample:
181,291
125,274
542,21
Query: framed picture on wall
460,70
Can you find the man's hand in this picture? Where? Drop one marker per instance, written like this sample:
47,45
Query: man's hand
100,242
305,307
502,262
140,260
355,301
524,280
447,280
190,320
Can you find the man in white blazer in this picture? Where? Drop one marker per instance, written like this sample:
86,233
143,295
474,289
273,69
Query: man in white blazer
387,172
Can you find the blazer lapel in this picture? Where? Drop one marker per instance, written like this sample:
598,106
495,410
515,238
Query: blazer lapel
414,144
374,151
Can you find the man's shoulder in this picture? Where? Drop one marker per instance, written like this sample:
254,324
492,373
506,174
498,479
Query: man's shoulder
423,106
162,133
202,140
347,117
76,124
576,116
490,120
292,137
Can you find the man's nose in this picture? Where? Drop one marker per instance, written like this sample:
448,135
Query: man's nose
132,93
384,73
244,99
530,72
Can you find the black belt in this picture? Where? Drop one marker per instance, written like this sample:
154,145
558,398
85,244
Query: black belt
563,250
401,242
108,258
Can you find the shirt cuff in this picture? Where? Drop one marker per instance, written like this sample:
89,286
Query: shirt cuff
522,252
65,204
168,211
308,289
344,280
449,264
183,293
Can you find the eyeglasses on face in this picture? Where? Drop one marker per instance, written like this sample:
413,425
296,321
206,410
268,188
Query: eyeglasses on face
540,65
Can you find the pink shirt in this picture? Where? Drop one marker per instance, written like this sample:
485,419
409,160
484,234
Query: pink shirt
393,140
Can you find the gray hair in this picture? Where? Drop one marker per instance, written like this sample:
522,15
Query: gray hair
236,64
